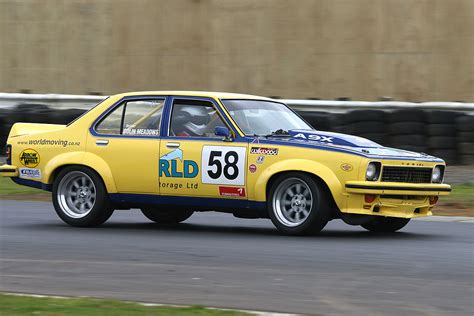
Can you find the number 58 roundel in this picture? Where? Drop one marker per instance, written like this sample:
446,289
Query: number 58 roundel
223,165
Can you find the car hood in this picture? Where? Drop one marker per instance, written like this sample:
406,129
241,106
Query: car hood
350,144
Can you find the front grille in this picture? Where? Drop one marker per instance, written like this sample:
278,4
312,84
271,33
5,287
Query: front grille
406,174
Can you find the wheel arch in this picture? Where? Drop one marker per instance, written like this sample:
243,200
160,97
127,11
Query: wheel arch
320,173
88,160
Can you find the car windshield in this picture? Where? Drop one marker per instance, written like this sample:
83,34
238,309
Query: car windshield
259,117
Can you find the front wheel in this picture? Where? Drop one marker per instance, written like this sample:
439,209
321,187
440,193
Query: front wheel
298,205
386,224
80,197
173,216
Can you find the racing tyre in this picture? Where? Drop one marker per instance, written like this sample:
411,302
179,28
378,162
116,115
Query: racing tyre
466,148
445,130
166,217
80,198
298,205
442,117
414,115
407,128
465,137
386,224
442,142
465,123
412,140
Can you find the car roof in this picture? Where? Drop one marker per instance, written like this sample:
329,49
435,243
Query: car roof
217,95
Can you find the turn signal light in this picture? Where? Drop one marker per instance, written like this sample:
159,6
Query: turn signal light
433,200
369,198
8,152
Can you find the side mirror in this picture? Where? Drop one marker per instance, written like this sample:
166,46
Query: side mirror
223,131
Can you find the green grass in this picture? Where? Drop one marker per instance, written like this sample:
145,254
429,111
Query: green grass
8,187
461,193
13,305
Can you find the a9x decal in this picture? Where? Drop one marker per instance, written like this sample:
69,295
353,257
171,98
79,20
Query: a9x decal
223,165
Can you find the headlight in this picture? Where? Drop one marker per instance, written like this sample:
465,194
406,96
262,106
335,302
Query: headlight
373,171
437,174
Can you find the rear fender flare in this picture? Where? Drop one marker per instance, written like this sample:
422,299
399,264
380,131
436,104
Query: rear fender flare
84,159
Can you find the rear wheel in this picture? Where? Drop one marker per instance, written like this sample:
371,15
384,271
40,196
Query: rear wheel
80,197
297,204
174,216
386,224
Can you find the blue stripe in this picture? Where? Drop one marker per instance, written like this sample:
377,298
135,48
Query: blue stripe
264,141
184,200
33,184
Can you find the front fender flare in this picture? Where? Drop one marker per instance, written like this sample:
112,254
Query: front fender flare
302,165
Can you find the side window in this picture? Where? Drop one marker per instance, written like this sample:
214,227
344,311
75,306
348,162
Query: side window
143,117
193,118
138,117
112,123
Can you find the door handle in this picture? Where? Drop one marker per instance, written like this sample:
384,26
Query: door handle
102,142
172,145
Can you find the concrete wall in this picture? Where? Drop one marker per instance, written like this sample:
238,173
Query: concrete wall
415,50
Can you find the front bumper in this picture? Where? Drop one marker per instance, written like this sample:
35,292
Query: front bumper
8,171
392,199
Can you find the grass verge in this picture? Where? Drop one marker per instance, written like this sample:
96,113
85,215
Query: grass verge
459,203
15,305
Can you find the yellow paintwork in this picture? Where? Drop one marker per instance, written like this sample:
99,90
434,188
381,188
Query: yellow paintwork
130,165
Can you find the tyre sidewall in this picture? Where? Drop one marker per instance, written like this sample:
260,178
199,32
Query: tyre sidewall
318,216
101,210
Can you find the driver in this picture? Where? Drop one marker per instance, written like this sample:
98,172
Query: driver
190,120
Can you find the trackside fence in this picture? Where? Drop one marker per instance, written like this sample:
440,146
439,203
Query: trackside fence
443,129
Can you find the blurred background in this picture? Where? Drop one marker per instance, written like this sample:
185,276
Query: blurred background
393,51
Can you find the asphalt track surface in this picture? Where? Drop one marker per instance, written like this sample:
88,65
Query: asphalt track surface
217,260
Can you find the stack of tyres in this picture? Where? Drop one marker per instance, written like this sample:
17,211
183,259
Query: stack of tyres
370,124
441,132
65,116
465,139
317,119
407,130
4,130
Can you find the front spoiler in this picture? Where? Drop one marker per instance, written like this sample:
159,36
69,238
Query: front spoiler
396,188
8,171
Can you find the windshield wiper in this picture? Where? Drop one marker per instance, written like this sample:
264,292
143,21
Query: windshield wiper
279,133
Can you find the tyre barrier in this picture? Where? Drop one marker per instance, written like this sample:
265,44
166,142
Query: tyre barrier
445,134
33,113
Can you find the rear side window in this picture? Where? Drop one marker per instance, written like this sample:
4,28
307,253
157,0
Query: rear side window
133,118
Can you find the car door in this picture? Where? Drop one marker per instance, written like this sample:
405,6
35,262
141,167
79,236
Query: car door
127,138
194,162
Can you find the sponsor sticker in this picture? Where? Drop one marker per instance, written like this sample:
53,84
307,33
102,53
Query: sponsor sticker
50,142
264,151
347,167
172,165
252,168
260,159
29,173
29,158
232,191
320,138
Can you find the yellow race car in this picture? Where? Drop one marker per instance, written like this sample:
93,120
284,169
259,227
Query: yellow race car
172,153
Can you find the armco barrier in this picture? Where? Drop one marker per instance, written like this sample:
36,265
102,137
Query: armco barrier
443,129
